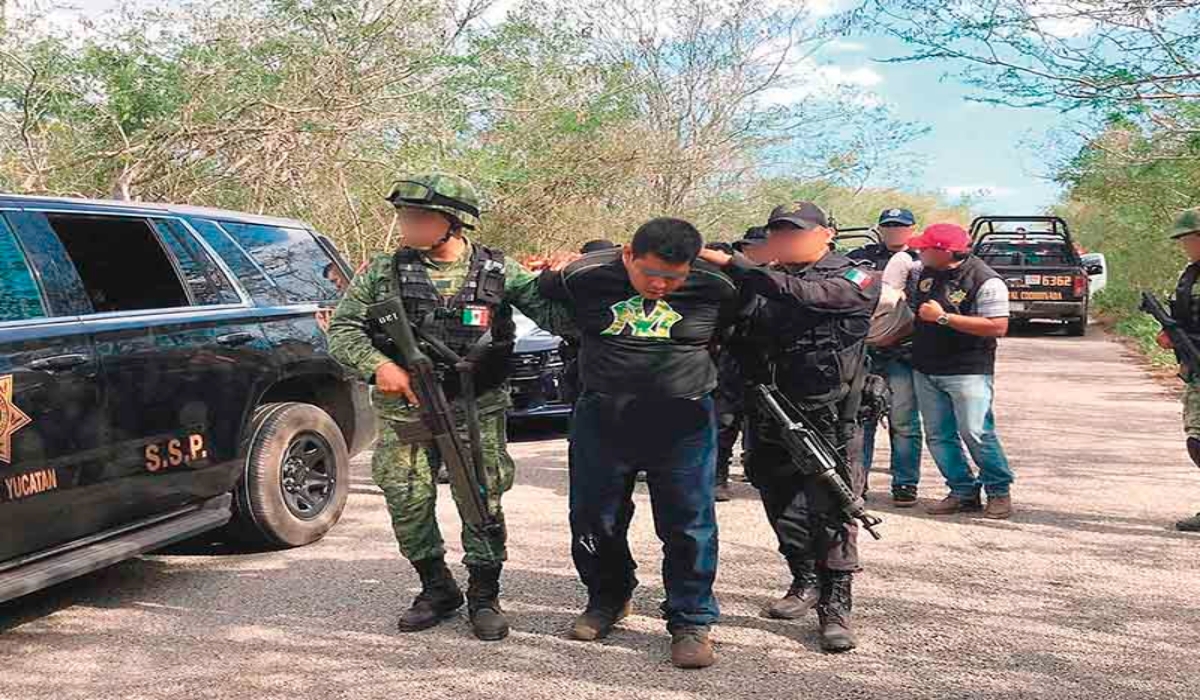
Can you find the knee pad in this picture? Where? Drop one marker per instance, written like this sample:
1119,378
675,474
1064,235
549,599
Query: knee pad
1193,447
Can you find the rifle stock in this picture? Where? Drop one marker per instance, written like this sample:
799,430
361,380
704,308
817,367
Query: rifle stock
806,446
436,412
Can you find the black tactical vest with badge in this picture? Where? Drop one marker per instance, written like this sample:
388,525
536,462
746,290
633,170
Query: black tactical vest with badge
941,350
475,323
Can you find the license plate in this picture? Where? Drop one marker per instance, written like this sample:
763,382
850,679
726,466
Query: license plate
1016,306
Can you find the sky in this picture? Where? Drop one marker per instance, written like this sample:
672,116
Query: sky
986,152
990,154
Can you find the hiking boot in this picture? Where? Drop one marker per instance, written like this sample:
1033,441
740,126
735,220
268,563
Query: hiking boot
596,622
1191,524
953,504
721,494
833,612
904,496
691,648
803,594
998,508
483,603
440,597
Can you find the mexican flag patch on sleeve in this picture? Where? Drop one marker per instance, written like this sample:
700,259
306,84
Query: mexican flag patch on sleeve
861,279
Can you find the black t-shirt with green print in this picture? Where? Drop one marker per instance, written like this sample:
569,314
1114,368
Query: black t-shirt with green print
632,346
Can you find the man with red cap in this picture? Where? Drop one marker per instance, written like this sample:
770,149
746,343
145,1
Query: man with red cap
962,308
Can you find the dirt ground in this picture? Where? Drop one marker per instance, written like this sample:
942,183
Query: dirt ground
1086,593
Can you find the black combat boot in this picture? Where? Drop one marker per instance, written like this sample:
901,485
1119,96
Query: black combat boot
833,611
483,602
439,598
803,594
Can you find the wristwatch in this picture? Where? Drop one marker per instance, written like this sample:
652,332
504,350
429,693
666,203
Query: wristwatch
943,320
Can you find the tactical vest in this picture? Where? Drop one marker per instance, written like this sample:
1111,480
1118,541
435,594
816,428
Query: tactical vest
1185,307
819,363
877,254
941,350
462,321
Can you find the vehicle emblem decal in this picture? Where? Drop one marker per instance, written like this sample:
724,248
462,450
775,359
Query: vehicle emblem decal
12,418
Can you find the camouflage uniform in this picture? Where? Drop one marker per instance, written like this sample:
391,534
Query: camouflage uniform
1185,308
402,470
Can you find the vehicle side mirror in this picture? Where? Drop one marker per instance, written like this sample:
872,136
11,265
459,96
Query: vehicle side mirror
1095,269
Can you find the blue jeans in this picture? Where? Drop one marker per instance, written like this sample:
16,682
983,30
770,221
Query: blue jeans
675,442
904,427
957,410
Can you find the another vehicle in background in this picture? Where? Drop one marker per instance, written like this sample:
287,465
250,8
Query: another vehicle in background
537,374
1037,259
1097,269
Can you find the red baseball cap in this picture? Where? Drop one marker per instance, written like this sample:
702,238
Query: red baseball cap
948,237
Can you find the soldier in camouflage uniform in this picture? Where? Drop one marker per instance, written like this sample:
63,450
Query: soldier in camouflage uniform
455,290
1185,308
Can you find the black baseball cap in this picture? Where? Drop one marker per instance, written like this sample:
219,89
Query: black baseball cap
755,235
897,217
804,215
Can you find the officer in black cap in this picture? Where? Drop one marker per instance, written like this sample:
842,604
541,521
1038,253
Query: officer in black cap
896,227
809,329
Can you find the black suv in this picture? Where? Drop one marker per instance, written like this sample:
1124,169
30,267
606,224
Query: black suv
162,374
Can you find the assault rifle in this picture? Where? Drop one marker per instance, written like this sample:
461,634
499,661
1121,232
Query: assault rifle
814,456
437,415
1185,347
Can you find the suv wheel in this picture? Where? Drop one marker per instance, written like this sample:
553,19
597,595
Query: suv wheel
297,476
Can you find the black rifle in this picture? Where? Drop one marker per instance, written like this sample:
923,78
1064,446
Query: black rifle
815,457
1185,347
437,415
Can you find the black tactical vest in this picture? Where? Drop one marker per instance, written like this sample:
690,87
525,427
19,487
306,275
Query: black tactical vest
1185,307
941,350
817,359
462,321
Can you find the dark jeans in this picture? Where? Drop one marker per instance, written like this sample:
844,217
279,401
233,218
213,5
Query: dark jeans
674,441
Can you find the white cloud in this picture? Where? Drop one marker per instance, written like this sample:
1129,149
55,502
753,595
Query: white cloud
807,78
843,46
978,191
862,76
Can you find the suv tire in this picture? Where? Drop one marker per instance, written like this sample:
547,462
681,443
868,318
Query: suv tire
296,478
1078,326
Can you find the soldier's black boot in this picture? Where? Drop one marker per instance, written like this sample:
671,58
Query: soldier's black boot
803,594
483,603
833,611
1191,524
439,598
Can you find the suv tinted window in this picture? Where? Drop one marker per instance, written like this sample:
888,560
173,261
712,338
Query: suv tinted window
291,257
208,284
19,296
251,278
121,262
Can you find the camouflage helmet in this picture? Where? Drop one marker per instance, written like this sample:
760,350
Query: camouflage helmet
448,194
1187,222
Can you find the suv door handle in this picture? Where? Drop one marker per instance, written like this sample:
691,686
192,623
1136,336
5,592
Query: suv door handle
235,339
58,363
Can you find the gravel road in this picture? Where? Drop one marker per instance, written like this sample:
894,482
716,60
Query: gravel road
1086,593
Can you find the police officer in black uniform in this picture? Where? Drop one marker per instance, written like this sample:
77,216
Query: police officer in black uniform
810,330
896,227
